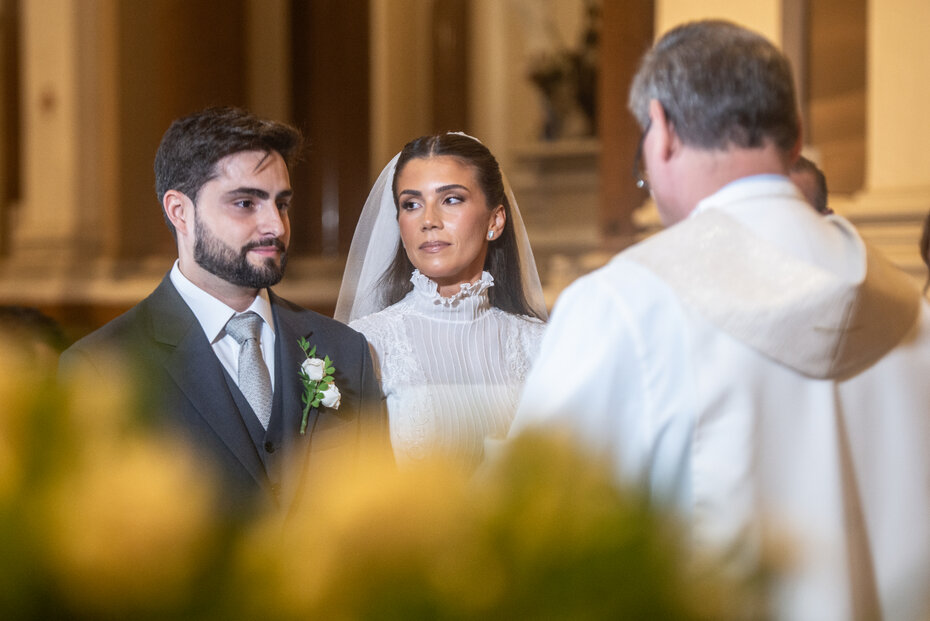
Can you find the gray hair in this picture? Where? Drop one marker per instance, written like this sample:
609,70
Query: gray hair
720,85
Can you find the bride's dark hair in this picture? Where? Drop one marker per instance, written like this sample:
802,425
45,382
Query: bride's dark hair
503,259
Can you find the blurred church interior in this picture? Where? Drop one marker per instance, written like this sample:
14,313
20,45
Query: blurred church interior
87,87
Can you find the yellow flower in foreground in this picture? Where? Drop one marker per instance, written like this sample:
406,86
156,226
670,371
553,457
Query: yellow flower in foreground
126,530
543,533
18,388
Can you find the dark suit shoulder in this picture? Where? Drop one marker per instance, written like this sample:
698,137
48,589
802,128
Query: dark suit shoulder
117,345
113,332
135,331
321,324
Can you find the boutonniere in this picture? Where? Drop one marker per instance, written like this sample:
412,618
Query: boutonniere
317,378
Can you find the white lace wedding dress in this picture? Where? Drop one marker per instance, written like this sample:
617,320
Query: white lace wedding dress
451,369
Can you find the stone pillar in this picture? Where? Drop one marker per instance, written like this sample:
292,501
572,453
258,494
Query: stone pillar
763,16
8,27
896,198
401,80
268,62
48,215
490,87
897,154
66,155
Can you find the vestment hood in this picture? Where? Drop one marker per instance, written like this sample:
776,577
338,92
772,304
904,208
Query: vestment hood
802,315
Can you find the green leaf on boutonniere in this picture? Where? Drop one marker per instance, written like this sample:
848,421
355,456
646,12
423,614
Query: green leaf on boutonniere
313,393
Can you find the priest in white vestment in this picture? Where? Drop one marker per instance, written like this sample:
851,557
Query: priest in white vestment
756,367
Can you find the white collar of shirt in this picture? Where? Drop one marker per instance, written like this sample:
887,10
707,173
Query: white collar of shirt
211,312
769,205
736,192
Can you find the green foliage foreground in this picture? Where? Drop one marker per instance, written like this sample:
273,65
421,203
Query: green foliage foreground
100,518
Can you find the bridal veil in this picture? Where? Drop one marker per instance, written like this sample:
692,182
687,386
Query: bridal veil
375,243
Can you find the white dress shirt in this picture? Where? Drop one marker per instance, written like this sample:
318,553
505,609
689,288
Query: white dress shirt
212,314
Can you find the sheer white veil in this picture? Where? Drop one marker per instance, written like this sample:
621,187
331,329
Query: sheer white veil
375,244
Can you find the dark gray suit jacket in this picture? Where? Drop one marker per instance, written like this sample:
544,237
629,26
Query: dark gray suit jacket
189,389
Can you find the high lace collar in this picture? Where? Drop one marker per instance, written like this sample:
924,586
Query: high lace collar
469,303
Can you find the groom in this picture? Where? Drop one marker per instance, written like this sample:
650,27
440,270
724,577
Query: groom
222,349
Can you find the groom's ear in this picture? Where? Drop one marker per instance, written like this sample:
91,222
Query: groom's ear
179,210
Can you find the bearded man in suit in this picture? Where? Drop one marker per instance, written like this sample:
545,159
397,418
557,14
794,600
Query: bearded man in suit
222,177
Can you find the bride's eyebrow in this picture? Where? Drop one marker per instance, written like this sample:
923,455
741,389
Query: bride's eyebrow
451,186
442,188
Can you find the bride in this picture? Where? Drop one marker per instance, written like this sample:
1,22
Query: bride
441,280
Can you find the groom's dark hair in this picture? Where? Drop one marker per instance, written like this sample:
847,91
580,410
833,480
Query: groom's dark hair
192,145
503,257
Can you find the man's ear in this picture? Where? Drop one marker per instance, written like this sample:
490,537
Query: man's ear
666,141
180,211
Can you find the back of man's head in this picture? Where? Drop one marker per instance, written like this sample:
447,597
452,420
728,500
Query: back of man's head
192,146
720,85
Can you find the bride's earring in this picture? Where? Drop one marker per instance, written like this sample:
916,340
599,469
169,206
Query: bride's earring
490,234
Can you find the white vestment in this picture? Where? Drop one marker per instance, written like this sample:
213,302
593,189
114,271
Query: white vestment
761,371
451,369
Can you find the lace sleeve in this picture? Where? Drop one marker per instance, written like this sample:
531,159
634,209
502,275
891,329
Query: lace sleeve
372,335
523,344
395,356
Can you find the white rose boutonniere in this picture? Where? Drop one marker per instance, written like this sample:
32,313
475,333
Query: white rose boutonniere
314,368
317,378
331,397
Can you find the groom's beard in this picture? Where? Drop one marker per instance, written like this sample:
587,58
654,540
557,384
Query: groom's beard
219,259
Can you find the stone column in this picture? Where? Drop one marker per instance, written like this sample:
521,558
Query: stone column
897,132
763,16
268,62
48,214
891,208
400,76
67,151
8,27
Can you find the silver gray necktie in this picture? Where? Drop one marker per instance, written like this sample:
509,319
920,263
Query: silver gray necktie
254,379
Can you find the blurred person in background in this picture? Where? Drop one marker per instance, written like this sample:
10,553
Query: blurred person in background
35,335
925,249
812,183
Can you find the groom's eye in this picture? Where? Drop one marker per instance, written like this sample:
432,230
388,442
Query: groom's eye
245,203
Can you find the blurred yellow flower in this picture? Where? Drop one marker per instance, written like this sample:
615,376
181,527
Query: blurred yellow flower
20,386
128,525
101,517
543,532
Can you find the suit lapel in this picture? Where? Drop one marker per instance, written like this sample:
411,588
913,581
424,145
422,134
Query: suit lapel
290,327
199,375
